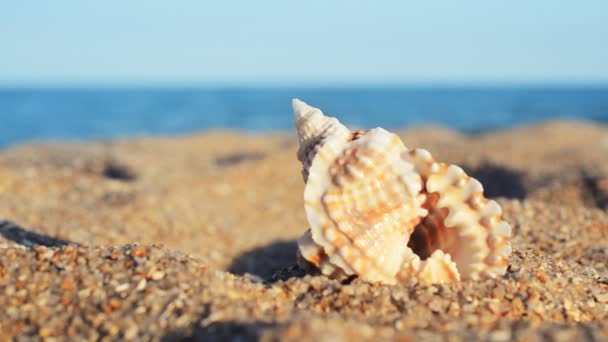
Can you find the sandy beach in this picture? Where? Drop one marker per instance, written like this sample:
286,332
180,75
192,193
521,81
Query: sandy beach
167,238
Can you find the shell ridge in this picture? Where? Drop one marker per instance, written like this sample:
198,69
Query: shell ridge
386,147
388,213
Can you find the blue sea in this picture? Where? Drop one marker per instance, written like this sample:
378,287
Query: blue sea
55,113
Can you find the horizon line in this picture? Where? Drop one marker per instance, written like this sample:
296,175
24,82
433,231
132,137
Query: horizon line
300,84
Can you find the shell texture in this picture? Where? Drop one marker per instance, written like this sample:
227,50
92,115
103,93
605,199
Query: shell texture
363,202
461,221
313,130
390,214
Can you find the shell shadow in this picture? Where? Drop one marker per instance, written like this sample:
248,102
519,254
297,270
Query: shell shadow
273,262
498,180
24,237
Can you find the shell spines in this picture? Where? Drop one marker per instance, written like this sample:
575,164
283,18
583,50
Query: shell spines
477,220
352,204
390,214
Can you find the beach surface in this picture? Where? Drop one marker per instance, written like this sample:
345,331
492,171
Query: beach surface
168,238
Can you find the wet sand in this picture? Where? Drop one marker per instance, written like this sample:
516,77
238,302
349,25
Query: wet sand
194,236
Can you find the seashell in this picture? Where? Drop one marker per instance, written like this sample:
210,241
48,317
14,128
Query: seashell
362,200
461,221
390,214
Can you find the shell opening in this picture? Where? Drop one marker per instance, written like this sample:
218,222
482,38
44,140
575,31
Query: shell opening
366,194
431,234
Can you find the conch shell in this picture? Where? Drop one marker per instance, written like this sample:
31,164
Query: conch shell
390,214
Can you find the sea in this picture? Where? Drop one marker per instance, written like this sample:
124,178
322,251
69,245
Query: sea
40,114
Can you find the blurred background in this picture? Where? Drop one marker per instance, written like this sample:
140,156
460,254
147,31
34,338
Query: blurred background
73,70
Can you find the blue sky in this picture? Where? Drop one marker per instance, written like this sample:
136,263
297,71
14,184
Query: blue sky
278,41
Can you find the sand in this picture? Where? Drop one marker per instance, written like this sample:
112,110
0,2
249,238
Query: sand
169,238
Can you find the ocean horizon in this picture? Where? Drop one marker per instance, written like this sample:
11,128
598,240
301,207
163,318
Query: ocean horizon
70,113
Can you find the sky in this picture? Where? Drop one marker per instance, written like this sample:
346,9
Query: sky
318,41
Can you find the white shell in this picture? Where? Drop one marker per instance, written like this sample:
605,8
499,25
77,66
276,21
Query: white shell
362,202
389,214
470,226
